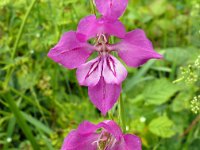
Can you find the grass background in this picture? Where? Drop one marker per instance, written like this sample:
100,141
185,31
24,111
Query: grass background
41,101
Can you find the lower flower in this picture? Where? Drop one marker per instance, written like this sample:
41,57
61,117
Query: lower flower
106,135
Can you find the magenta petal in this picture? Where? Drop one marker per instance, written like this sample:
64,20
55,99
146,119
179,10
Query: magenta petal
113,71
88,74
132,142
86,128
76,141
88,136
69,51
87,28
104,95
90,27
115,28
136,49
128,142
82,138
112,128
120,145
111,9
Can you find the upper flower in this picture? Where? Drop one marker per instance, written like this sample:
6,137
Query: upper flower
104,74
104,136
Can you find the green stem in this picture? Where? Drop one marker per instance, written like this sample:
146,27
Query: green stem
21,121
92,7
121,114
178,80
19,35
38,104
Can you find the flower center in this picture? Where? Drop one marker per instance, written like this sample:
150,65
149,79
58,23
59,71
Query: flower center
105,140
102,45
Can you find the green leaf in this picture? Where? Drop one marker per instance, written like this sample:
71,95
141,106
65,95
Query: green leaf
158,7
164,24
179,55
159,91
162,126
37,123
26,80
181,101
195,144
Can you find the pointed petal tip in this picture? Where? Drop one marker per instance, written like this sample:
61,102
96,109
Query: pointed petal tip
69,51
112,10
158,56
104,95
136,49
49,54
104,111
52,55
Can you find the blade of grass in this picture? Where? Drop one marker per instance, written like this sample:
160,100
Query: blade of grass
38,104
10,130
134,80
48,142
21,121
19,35
37,123
29,100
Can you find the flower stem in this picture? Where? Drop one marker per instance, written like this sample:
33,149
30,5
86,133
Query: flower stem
92,5
19,35
178,80
121,113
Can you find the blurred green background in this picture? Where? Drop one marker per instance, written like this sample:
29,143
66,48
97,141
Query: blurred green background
40,101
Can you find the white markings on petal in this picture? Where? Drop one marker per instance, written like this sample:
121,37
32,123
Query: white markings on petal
93,67
111,65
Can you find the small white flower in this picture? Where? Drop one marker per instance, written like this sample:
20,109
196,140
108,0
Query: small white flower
142,119
9,139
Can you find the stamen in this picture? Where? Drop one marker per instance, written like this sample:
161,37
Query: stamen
104,38
102,44
105,140
101,39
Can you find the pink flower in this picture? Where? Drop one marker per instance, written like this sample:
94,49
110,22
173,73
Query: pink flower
106,136
104,74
